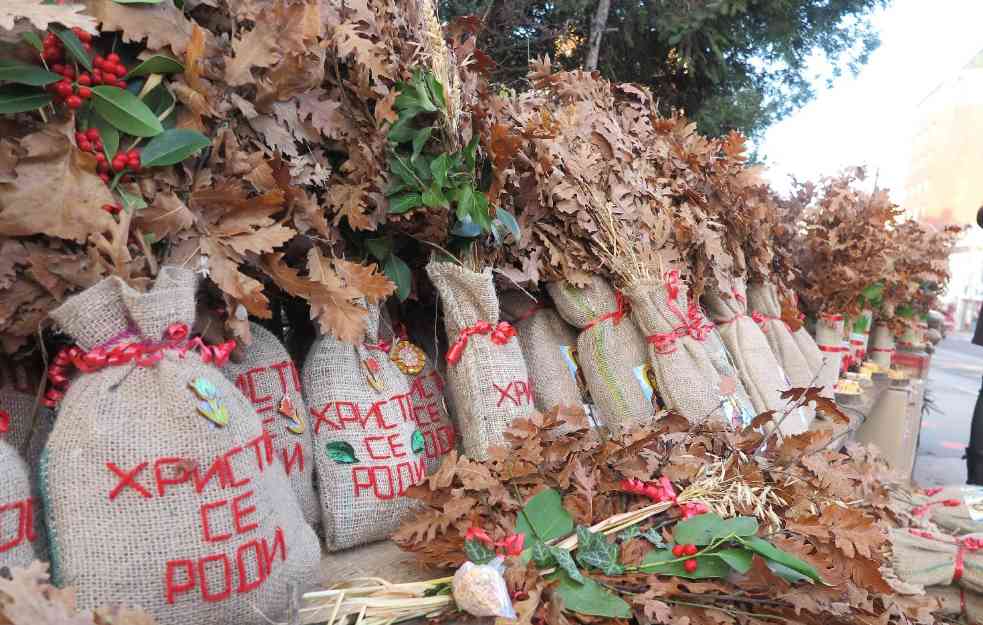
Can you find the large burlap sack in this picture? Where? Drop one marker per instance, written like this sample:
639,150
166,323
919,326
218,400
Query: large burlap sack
20,511
486,374
955,509
928,558
764,306
882,345
958,602
685,377
368,449
611,352
738,409
548,344
759,369
268,378
148,502
829,340
18,385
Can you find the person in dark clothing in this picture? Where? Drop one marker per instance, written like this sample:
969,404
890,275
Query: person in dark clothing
974,452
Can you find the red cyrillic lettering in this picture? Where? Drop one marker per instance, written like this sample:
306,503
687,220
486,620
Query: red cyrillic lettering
127,479
162,481
396,445
171,586
368,441
206,592
238,514
206,528
262,571
293,460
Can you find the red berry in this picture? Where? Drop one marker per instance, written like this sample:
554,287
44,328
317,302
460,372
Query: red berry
678,550
103,167
98,144
112,209
100,158
80,136
85,79
92,134
64,88
113,58
121,84
690,550
105,178
85,93
98,61
68,72
85,145
119,163
85,37
49,56
690,565
50,40
87,47
109,77
74,102
120,69
57,68
134,153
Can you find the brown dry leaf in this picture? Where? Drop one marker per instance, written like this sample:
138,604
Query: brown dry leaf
41,15
224,272
165,216
374,286
57,191
261,241
161,24
259,47
29,599
349,200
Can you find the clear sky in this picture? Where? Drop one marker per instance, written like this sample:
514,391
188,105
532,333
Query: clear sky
869,119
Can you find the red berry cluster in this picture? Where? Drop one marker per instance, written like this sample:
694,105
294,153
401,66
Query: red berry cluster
686,550
74,90
121,162
109,71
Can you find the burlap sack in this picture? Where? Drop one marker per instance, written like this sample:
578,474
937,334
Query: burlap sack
829,340
18,385
958,602
763,301
20,511
686,379
611,352
548,343
882,345
949,508
266,375
738,409
368,449
148,502
759,369
860,335
486,375
930,558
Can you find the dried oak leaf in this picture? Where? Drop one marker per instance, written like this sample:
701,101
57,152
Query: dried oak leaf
224,272
41,15
29,599
165,216
57,191
260,47
161,24
374,286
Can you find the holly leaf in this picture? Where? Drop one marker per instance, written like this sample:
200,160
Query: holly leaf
18,99
172,146
544,517
341,452
770,552
73,46
400,275
125,111
12,71
704,529
590,598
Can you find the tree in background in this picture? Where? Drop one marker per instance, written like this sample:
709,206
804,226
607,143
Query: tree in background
729,64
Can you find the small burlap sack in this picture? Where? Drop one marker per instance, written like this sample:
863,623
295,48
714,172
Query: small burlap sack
18,385
949,508
738,409
267,376
148,500
933,559
882,345
20,511
547,343
611,352
958,602
760,370
486,375
860,335
763,303
685,377
368,449
829,340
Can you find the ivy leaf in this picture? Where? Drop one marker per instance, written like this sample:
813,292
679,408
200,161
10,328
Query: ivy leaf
433,198
662,562
17,99
402,131
11,71
125,111
629,533
399,167
593,550
590,598
774,554
544,517
471,152
480,212
172,146
565,561
416,442
439,167
399,273
542,555
478,552
436,90
157,64
341,452
380,247
420,141
653,536
464,196
74,48
703,529
404,203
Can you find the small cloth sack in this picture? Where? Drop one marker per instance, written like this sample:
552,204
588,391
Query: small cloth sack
829,339
955,509
929,558
18,384
268,378
486,374
161,489
687,381
882,345
20,512
738,409
767,311
549,347
367,448
611,352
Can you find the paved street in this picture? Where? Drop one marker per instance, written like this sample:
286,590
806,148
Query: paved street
953,383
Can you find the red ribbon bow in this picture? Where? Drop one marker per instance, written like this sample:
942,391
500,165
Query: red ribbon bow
693,324
615,316
962,546
381,346
761,319
500,335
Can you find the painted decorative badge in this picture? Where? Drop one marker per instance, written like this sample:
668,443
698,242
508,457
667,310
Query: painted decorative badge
288,411
407,357
210,405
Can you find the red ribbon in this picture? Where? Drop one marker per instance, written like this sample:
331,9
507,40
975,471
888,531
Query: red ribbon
381,346
962,546
831,318
920,511
535,308
615,316
832,348
693,326
500,335
882,349
141,353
